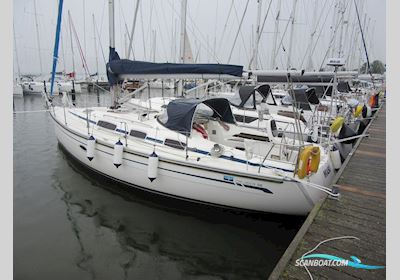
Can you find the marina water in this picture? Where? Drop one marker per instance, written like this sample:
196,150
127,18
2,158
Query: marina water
72,224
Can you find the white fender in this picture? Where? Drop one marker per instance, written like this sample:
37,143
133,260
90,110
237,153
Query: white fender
118,151
335,156
90,147
152,167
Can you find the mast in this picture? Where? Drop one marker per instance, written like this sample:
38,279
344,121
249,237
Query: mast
154,45
84,26
72,45
257,37
183,30
57,41
133,30
310,62
111,24
292,18
364,40
38,38
62,50
342,11
95,46
273,54
333,29
289,62
16,53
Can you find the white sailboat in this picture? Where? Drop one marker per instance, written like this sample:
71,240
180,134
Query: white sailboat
194,150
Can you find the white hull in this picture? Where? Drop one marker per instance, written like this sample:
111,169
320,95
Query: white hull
67,87
189,181
38,87
17,90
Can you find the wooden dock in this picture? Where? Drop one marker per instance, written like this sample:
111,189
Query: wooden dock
360,212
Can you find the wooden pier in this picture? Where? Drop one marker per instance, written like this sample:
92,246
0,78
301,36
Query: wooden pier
360,212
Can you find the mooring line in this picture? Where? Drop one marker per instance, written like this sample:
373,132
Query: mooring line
34,111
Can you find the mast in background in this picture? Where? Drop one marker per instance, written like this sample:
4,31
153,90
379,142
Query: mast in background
183,31
72,46
257,37
273,54
95,47
292,17
16,53
38,37
114,89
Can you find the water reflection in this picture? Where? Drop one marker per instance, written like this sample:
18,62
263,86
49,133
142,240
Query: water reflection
153,237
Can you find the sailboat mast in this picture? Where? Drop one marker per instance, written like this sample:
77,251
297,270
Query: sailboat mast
314,30
257,37
273,54
16,53
38,37
133,30
95,46
84,27
56,44
72,45
342,11
154,45
63,52
183,30
289,62
111,25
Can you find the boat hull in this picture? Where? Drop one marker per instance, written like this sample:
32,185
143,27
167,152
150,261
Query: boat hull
189,182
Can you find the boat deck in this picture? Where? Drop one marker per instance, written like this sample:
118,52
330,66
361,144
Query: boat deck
360,212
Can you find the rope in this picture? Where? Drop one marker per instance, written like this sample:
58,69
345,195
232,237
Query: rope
32,111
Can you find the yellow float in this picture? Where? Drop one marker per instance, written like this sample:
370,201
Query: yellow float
308,161
358,111
337,124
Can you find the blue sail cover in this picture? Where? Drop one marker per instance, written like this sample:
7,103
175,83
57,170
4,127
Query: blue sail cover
116,67
180,112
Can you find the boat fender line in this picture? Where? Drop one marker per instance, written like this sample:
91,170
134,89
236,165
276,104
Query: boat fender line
90,147
334,192
308,161
118,151
152,166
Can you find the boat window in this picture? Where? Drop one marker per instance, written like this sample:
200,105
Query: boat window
107,125
244,119
252,136
137,134
174,144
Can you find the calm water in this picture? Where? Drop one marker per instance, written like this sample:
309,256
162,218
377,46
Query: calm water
72,224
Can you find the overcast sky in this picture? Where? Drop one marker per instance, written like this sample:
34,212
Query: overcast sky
211,35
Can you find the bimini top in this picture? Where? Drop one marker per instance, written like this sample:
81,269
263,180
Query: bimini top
304,97
119,69
180,113
247,92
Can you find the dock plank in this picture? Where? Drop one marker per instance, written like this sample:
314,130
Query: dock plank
359,212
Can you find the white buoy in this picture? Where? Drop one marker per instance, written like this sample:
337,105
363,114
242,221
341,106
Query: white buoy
152,166
335,156
90,147
118,151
